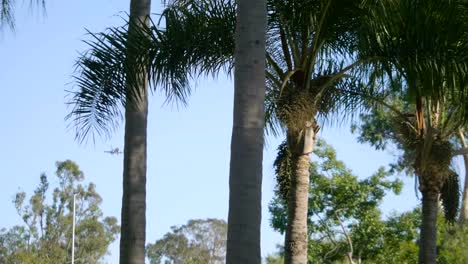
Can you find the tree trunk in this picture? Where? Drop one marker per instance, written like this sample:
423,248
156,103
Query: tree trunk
133,217
296,232
296,237
245,176
464,206
428,240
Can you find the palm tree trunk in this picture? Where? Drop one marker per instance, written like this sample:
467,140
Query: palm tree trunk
464,207
296,237
428,240
133,230
245,176
296,232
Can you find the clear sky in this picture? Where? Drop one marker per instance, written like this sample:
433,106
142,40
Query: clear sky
188,148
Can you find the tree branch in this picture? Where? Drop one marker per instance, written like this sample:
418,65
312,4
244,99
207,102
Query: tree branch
348,238
462,151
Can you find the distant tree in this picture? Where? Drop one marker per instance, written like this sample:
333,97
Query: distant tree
345,223
45,235
399,239
197,242
453,245
343,218
274,259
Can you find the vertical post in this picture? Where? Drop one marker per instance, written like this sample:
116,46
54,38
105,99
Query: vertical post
73,232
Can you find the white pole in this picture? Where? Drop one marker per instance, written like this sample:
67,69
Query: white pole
73,233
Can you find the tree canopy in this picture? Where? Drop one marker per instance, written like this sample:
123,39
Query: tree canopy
343,211
47,214
197,242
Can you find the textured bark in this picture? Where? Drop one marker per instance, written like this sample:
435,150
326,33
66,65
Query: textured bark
296,237
245,176
464,207
133,216
296,233
427,243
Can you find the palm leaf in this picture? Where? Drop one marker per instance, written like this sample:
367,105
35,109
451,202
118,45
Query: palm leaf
7,11
107,74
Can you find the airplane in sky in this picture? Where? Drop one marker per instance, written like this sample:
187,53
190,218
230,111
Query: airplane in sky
114,151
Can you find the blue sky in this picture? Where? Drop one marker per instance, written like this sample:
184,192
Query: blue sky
188,148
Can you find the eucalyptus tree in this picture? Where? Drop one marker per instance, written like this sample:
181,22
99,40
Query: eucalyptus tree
425,66
45,234
198,241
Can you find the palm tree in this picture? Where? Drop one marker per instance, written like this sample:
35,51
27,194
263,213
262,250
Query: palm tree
116,72
310,54
90,101
428,63
133,215
245,176
308,44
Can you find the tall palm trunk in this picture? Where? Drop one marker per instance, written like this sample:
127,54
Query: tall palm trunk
245,176
296,237
428,240
464,207
132,238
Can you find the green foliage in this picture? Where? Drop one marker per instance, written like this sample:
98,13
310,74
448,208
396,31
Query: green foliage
45,236
399,239
197,242
381,127
336,196
432,62
454,242
188,39
340,203
274,259
310,45
424,75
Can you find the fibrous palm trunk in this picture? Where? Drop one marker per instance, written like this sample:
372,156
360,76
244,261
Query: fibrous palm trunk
132,239
464,207
296,237
428,239
245,176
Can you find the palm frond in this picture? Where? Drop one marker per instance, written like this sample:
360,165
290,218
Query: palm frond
310,51
7,17
198,38
433,62
7,11
171,52
101,78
